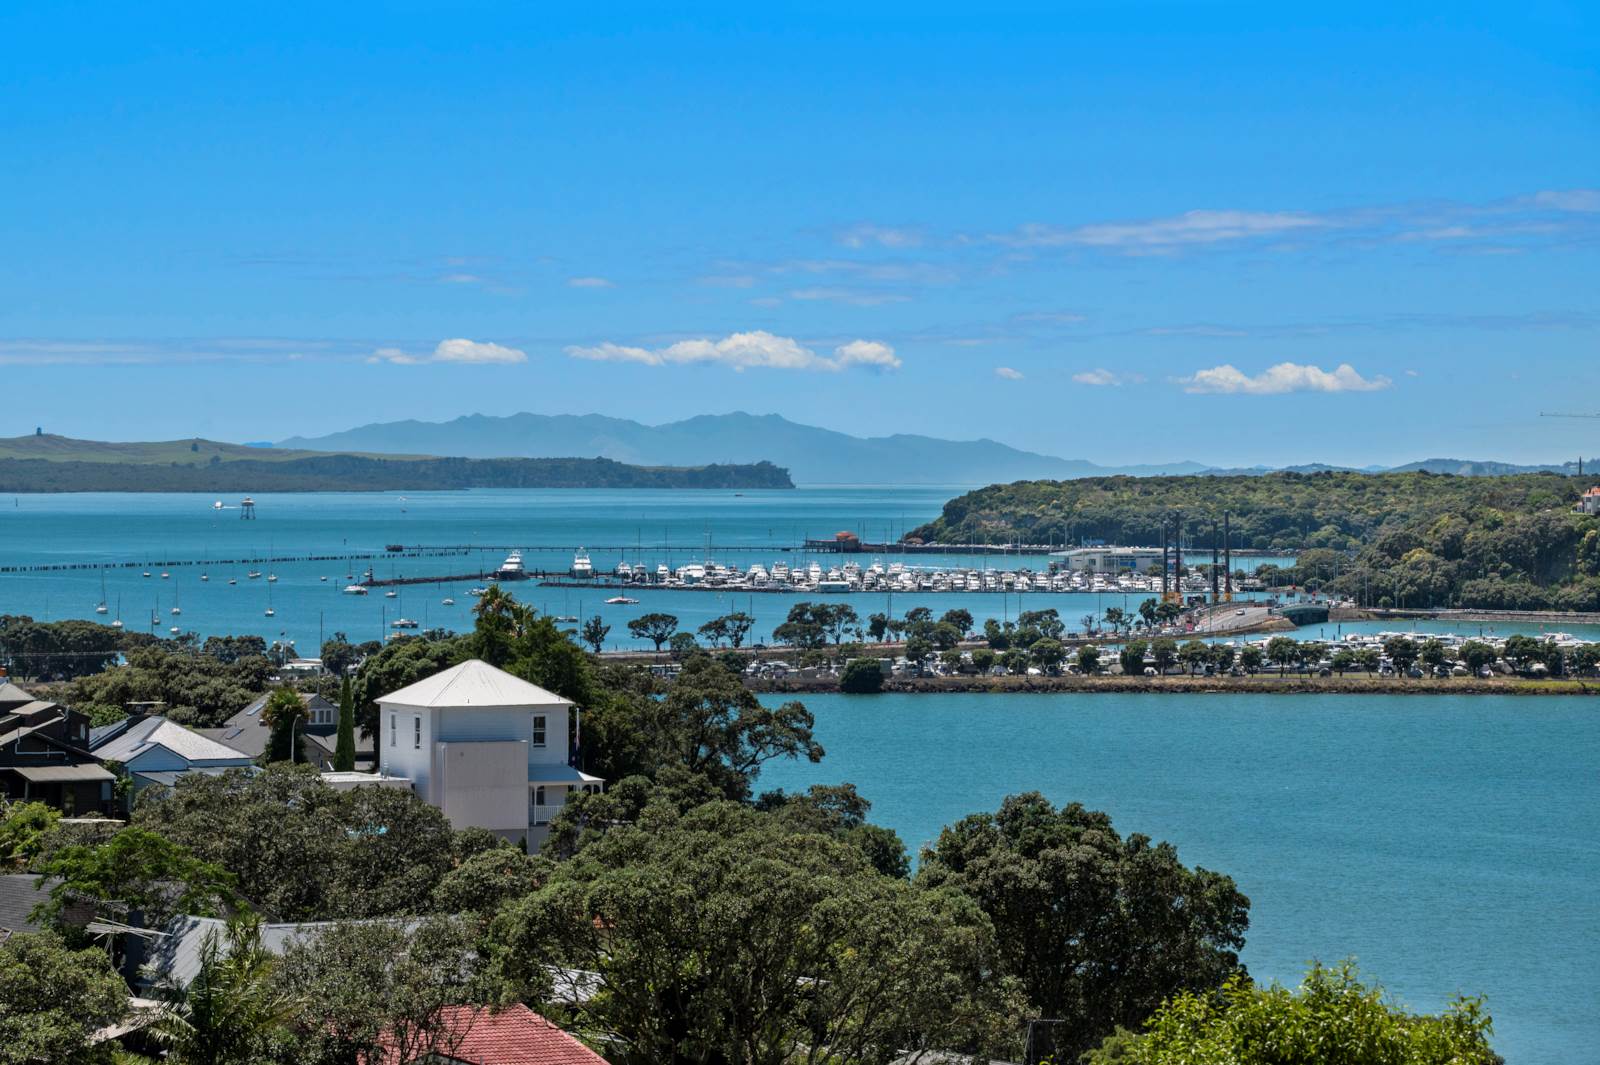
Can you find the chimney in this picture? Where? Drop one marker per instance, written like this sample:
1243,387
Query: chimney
137,712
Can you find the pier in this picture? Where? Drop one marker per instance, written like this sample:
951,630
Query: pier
257,560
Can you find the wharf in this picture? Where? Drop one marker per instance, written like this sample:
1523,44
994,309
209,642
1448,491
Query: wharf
256,560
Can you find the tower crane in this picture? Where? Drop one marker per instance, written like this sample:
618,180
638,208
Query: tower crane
1569,414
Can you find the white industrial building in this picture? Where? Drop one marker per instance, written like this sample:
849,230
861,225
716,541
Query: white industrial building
1110,559
488,749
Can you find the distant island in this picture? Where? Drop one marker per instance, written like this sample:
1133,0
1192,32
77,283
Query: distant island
46,463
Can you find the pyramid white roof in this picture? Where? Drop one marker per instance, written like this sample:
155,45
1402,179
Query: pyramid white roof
474,683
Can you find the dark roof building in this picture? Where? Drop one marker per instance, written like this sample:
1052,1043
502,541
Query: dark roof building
245,731
44,756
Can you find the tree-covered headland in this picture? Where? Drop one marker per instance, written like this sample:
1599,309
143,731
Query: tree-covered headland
1384,539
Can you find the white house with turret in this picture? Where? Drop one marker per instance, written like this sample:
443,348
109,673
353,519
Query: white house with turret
488,749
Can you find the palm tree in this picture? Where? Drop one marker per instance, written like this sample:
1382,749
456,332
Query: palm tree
228,1011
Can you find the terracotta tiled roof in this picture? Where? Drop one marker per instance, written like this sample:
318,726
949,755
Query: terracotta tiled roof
515,1036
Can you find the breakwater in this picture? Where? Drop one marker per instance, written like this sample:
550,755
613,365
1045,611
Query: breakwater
248,560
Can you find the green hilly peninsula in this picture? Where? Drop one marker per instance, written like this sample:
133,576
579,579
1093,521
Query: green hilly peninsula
1517,541
48,463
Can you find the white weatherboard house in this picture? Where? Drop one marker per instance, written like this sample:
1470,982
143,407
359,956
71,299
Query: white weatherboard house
488,749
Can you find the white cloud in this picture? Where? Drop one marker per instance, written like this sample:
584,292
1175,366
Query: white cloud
1008,373
1099,377
853,297
458,349
1189,228
590,282
866,234
609,352
1584,200
1284,377
460,279
741,351
866,353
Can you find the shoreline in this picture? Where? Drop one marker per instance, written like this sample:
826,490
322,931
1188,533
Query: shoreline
1258,684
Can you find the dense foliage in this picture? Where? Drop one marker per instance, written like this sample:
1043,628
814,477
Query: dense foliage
199,689
59,650
52,998
298,850
1100,929
1332,1017
721,934
1401,539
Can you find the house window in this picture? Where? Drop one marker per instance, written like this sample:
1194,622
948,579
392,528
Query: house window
538,730
539,816
391,729
416,732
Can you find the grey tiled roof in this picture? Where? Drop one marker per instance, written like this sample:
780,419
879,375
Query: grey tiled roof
18,897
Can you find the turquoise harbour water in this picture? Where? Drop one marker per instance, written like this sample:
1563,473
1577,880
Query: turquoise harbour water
1447,842
642,526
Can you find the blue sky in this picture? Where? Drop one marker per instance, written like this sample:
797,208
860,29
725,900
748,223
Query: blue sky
1234,233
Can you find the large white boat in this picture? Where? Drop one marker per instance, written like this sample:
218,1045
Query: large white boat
620,600
511,569
581,566
355,589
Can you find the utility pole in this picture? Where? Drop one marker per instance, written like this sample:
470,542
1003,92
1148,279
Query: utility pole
1227,557
1216,593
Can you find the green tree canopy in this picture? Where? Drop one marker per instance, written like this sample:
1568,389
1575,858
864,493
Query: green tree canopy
52,998
344,751
724,934
594,632
861,675
713,726
1330,1017
138,870
1099,929
656,627
300,850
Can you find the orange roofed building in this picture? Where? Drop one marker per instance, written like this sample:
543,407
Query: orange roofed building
1590,501
477,1035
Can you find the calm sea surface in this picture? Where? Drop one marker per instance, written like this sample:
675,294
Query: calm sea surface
1448,843
647,527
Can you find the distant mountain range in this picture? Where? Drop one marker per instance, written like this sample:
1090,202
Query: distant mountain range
810,454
